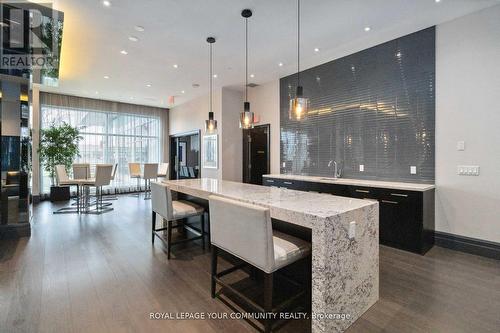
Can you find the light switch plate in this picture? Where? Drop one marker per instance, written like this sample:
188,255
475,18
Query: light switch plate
468,170
413,170
361,167
461,145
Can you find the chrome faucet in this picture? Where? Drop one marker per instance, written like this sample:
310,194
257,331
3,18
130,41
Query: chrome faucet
336,171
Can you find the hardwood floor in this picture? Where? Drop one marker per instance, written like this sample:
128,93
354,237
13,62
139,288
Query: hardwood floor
100,274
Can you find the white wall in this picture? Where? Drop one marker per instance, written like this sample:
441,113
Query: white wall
265,103
467,95
191,116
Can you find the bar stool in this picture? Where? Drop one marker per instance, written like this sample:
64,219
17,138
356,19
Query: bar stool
245,231
174,210
150,171
134,170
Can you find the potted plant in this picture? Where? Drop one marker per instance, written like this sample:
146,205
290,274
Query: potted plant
58,145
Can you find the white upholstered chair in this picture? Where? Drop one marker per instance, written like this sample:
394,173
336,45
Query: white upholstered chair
163,170
245,231
150,172
174,210
62,179
134,170
81,170
103,173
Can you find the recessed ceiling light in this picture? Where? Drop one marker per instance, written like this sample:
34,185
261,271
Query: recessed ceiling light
215,76
133,39
106,77
139,28
437,1
131,97
252,75
182,92
106,3
124,52
97,93
367,29
316,49
280,64
175,66
148,85
398,54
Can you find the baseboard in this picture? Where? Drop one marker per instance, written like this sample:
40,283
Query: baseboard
469,245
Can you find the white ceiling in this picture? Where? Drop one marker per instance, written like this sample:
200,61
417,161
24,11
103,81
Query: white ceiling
175,33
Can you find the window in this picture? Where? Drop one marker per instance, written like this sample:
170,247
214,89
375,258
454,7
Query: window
108,137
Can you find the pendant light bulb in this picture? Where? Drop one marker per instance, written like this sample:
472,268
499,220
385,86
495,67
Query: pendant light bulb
299,105
210,123
246,117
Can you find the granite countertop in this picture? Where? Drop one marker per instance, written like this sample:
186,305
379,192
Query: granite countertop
357,182
310,204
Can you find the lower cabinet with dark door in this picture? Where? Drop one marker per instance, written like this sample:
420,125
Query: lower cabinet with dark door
406,218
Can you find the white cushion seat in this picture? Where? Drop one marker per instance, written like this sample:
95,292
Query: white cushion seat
183,209
288,249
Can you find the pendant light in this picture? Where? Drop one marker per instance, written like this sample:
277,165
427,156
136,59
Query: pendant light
211,123
246,117
299,104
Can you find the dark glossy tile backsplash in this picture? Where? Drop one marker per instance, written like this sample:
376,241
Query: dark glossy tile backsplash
374,108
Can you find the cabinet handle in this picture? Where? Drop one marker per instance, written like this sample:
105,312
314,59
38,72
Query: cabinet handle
399,195
269,181
362,191
390,202
288,183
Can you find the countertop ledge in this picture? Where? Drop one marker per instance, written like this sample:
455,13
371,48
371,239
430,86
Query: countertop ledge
357,182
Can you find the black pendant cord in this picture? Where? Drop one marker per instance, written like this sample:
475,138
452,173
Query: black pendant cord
298,43
246,59
210,114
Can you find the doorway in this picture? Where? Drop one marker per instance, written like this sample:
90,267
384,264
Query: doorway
185,155
256,159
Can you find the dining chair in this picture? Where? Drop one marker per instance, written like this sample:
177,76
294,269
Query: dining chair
103,173
245,231
150,172
134,170
81,170
174,211
62,179
163,170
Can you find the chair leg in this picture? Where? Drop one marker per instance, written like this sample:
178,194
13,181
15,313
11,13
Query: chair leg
153,220
203,231
169,238
268,299
214,270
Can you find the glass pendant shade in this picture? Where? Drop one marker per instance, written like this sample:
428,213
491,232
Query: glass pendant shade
210,123
246,117
299,106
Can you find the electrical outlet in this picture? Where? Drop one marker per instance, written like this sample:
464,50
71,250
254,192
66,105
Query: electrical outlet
468,170
352,229
413,170
461,145
361,168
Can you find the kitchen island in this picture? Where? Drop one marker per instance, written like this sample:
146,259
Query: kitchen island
344,233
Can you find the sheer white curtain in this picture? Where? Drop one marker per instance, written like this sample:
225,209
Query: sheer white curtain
112,132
